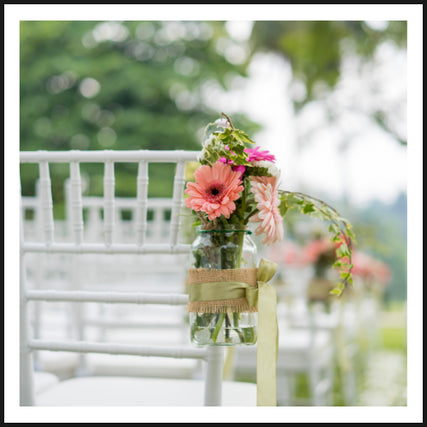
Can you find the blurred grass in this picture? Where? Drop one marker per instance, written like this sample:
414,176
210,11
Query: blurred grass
391,339
394,339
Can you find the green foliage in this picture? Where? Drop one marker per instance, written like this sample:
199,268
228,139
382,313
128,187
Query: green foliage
228,142
340,231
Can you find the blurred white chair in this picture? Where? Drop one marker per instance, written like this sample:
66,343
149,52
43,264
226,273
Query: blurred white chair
41,269
307,350
117,390
342,321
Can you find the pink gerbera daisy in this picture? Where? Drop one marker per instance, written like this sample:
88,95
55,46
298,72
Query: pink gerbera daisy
266,196
254,155
215,190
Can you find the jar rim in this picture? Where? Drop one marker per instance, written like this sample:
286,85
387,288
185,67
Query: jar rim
200,230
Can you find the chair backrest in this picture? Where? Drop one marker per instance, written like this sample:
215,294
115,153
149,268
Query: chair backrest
44,242
158,217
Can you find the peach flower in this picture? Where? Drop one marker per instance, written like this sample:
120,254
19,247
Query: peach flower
215,190
266,196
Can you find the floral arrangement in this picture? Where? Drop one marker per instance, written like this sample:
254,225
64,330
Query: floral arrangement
370,269
238,184
321,253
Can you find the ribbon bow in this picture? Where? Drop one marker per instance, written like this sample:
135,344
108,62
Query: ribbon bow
216,291
264,297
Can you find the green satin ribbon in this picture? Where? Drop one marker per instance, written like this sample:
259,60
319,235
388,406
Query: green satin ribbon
268,336
214,291
264,297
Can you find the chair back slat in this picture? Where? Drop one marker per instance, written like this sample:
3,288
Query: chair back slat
141,202
109,182
46,202
76,203
177,202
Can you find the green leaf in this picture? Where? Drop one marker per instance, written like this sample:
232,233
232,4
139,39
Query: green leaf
257,171
283,208
333,229
292,200
337,264
238,149
343,251
308,208
225,134
241,136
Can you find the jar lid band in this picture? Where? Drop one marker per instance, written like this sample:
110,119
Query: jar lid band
225,231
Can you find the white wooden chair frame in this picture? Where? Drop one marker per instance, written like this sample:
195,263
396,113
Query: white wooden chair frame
212,355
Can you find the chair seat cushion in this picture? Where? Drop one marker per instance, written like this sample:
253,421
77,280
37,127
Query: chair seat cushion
43,381
124,391
157,367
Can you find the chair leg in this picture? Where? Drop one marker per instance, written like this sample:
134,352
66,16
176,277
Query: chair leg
213,390
283,390
26,365
314,378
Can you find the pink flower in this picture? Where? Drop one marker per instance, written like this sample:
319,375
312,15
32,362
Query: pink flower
288,253
266,196
254,155
315,248
237,168
215,190
370,268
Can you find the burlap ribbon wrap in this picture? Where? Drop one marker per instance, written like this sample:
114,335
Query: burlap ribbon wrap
243,290
221,291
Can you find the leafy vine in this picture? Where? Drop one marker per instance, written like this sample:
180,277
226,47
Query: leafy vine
340,230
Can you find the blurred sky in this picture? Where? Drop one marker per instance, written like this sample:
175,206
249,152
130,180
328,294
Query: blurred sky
373,167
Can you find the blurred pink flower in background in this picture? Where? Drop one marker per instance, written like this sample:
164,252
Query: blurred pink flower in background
315,248
289,253
369,268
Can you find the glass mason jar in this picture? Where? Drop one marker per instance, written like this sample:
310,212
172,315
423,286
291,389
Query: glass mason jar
222,249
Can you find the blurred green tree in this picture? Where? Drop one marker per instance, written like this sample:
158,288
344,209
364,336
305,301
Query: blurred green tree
118,85
316,51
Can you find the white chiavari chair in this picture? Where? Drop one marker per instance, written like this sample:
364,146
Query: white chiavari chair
122,274
211,390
